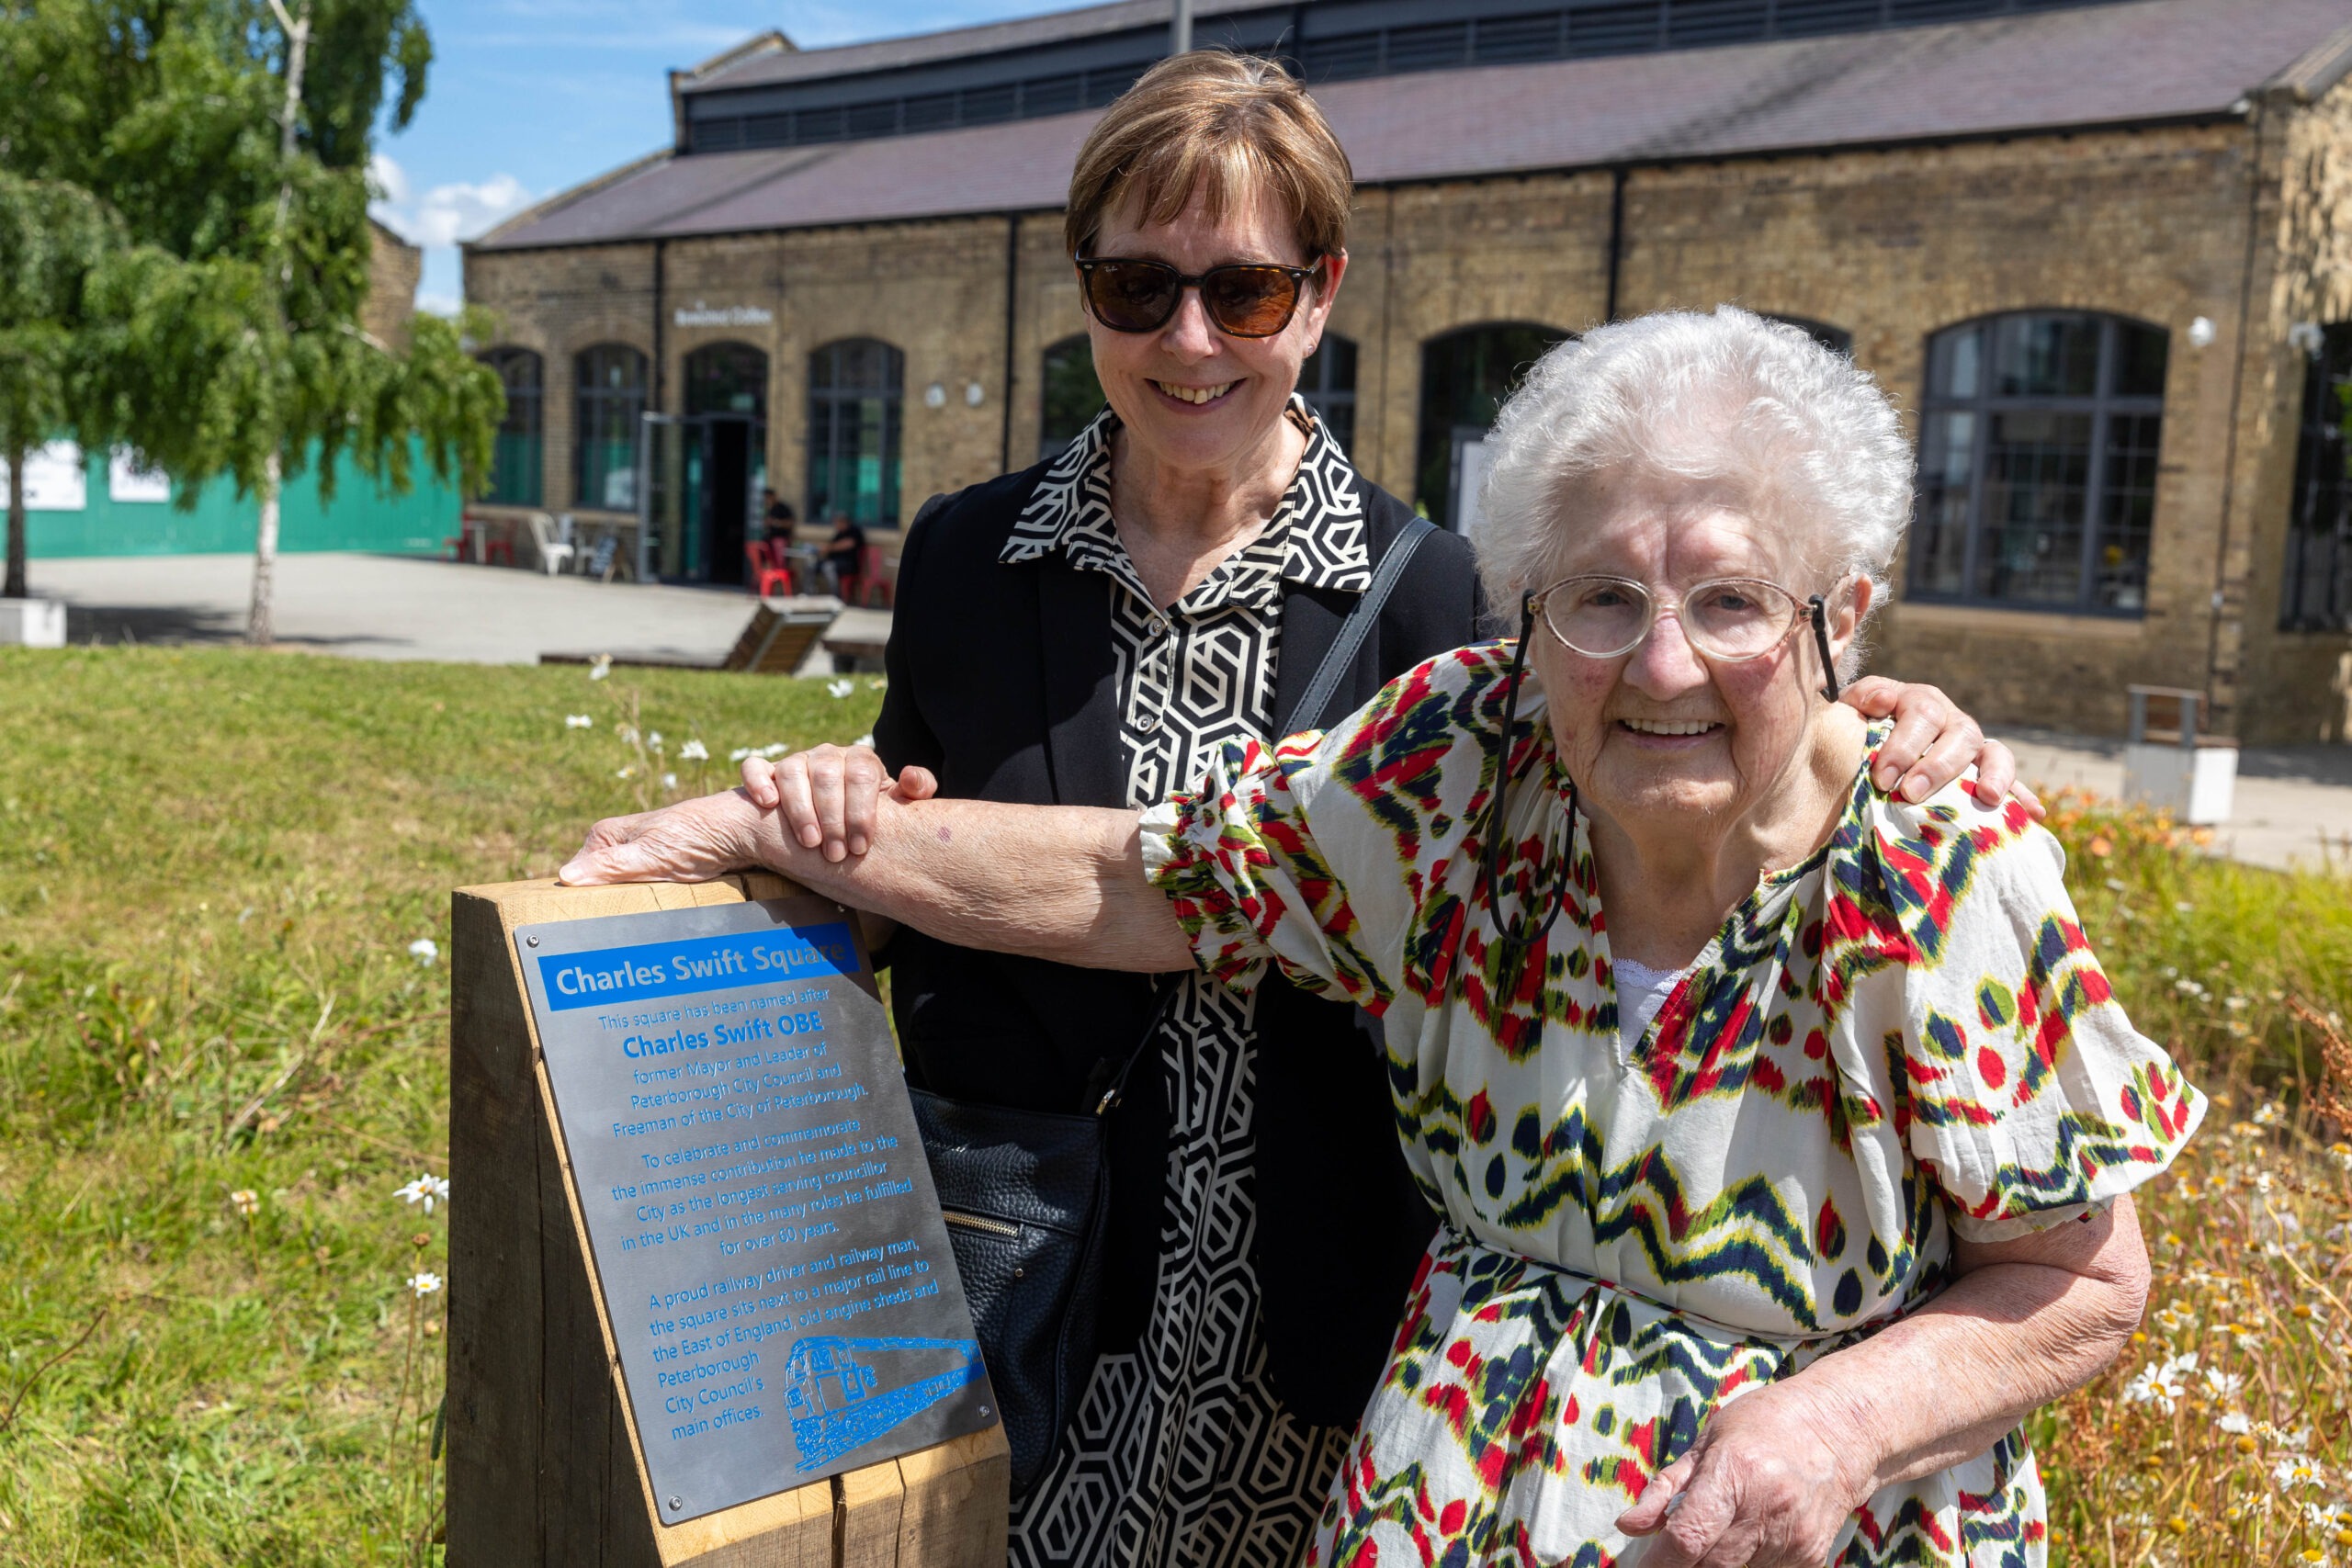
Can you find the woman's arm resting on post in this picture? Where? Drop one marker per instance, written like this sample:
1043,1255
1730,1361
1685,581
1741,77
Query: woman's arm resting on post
1774,1474
1059,881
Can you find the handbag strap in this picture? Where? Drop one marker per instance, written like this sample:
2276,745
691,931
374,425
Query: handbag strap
1307,711
1108,1085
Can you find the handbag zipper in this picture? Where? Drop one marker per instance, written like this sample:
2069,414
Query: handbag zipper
980,1223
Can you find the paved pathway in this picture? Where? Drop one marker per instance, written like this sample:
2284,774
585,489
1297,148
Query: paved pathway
369,606
2293,803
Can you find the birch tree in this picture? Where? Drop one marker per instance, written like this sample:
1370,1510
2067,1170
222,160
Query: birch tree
232,138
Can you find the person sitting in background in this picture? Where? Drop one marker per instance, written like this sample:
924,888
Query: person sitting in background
776,516
844,557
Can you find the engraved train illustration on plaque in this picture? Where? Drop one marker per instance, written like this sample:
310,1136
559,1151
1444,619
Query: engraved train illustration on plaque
833,1393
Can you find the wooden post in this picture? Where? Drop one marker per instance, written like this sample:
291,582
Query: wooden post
544,1466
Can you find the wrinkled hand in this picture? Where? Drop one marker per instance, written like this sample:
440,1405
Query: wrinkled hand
1771,1482
828,796
1932,742
693,841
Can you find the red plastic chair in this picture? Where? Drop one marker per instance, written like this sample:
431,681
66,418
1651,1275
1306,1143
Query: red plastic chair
872,581
767,570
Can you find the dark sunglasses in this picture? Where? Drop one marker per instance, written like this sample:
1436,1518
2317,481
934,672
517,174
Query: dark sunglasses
1245,300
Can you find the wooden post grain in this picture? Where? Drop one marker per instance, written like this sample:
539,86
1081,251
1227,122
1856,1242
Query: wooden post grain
544,1467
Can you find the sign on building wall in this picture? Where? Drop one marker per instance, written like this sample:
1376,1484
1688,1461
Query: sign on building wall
54,481
701,315
127,482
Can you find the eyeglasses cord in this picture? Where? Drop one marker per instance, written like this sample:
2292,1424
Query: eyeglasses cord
1515,938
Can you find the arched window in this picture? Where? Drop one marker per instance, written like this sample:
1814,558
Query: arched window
1071,396
728,378
1327,382
1465,375
1837,340
855,416
514,458
608,426
2038,462
2316,593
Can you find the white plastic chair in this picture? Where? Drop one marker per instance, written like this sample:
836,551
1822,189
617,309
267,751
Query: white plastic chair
553,552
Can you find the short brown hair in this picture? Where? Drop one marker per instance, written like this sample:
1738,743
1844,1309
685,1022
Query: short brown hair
1227,124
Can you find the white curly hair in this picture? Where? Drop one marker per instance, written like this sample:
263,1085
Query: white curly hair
1753,411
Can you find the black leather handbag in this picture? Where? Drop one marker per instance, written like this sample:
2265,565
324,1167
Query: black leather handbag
1026,1194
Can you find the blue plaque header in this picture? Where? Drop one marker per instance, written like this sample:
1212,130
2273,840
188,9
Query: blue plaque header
610,974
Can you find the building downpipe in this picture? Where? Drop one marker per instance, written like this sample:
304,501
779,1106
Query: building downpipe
1012,315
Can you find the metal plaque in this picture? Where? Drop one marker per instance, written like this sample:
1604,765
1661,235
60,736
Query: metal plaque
765,1233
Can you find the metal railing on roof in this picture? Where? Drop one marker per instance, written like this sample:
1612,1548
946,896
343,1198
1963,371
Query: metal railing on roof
1513,34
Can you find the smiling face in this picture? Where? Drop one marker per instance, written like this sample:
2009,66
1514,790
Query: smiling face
1194,397
1662,736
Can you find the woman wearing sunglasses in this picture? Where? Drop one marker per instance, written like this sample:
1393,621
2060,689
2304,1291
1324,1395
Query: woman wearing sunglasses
1092,632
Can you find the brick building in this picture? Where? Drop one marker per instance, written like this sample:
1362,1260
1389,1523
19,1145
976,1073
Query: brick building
2101,252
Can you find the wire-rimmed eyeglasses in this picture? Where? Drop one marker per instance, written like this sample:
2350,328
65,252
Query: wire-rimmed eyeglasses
1729,619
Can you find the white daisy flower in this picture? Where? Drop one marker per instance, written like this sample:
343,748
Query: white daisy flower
427,1189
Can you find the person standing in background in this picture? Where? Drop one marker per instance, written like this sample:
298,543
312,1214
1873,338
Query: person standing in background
844,557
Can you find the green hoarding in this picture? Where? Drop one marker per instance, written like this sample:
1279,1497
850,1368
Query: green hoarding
115,511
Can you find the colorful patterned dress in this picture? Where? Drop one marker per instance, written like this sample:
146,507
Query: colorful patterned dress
1903,1039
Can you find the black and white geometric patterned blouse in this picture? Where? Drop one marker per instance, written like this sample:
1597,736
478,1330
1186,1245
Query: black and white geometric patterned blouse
1180,1454
1202,671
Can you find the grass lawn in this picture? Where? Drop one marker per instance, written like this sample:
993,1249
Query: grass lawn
220,1059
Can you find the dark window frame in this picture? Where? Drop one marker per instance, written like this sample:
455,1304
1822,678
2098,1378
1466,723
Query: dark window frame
1837,340
2103,405
2319,519
1434,445
706,357
589,395
1318,382
827,394
1055,381
523,430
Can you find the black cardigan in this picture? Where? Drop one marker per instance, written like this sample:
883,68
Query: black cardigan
1002,683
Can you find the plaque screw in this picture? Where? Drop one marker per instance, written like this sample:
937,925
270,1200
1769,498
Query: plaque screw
676,1504
985,1411
530,942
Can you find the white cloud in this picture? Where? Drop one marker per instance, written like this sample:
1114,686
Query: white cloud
388,180
462,210
446,213
443,216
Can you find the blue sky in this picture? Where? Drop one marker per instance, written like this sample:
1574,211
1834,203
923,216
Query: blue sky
528,96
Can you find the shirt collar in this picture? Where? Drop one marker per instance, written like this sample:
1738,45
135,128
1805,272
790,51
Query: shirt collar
1316,537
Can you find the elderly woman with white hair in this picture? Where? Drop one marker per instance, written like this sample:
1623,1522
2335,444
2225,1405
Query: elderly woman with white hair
1782,1129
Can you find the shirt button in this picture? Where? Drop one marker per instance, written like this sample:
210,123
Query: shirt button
1156,626
1147,723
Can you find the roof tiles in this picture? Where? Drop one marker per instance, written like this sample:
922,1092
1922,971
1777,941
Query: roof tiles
2148,60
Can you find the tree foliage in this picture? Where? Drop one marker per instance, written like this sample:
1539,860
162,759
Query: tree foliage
222,147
